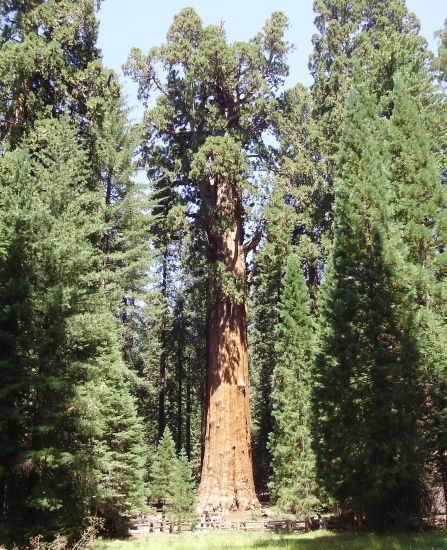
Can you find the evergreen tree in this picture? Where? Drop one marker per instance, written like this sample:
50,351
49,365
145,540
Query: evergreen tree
419,196
440,62
419,206
49,66
162,469
193,334
119,447
126,243
367,396
297,166
216,101
181,502
382,38
62,453
270,260
293,483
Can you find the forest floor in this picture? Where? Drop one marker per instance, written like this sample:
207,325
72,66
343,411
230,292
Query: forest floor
317,540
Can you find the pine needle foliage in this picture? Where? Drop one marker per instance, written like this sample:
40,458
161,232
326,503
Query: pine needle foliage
64,454
181,503
162,469
293,483
172,483
367,399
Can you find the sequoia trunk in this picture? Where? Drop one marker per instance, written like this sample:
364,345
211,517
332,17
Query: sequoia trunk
227,471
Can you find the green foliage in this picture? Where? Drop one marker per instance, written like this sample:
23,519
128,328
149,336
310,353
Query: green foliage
419,197
216,99
419,205
264,299
306,190
49,65
293,484
125,244
440,62
162,469
95,268
181,503
63,453
368,401
231,286
380,37
172,483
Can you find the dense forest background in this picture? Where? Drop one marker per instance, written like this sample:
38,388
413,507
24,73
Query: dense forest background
106,284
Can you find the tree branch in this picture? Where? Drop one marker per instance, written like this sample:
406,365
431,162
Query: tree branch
254,241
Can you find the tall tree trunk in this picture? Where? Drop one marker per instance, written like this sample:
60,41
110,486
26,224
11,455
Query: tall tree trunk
227,470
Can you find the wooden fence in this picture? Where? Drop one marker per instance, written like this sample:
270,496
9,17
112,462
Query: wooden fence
159,526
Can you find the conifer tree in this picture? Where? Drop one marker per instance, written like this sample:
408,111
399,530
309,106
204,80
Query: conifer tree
195,276
382,38
126,243
419,196
50,66
293,483
419,199
367,396
216,100
280,219
440,62
63,454
181,502
298,167
162,469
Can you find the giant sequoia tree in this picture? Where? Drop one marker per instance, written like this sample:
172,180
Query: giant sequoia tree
49,65
215,101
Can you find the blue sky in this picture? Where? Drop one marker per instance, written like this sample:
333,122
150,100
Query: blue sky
143,24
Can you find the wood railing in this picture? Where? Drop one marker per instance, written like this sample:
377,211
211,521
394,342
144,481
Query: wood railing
278,526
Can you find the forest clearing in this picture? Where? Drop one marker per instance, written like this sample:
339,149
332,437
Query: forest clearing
229,313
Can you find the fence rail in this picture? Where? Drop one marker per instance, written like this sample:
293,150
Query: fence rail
278,526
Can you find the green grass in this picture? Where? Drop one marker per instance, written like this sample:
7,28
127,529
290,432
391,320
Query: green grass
319,540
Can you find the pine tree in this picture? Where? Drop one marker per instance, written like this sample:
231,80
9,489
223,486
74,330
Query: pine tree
418,194
62,454
195,276
382,38
367,397
125,244
127,257
280,218
181,502
162,469
419,206
440,62
293,483
119,446
297,166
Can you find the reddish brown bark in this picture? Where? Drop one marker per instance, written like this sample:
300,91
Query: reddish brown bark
227,470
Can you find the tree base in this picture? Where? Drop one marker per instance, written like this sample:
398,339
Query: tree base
226,503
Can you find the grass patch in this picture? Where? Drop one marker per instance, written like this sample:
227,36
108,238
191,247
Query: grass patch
317,540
